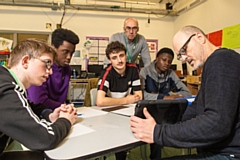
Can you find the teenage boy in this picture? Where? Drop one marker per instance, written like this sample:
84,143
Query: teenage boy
33,125
119,83
161,82
53,92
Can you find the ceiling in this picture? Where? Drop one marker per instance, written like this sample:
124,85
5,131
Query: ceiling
158,7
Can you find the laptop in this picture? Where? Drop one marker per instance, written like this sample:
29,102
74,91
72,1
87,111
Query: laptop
163,111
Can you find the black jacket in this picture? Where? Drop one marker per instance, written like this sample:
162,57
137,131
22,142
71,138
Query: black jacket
26,122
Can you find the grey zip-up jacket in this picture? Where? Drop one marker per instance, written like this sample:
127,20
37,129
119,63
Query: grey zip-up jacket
162,84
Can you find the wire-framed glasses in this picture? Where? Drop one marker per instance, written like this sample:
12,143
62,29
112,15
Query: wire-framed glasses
131,28
48,63
183,49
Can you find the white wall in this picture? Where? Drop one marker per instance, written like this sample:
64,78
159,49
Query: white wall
85,23
210,16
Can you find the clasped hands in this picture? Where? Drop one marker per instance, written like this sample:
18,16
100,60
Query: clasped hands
67,111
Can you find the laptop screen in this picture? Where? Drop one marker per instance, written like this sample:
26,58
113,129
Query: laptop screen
163,111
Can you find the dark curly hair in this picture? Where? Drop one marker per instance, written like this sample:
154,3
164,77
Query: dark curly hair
60,35
165,50
114,47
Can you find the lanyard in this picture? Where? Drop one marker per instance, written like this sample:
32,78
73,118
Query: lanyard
129,58
17,80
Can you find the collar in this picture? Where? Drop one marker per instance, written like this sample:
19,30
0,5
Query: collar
119,75
16,79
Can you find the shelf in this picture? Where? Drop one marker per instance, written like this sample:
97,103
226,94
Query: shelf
4,52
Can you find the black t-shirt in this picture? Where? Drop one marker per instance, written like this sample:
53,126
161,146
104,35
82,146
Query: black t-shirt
117,86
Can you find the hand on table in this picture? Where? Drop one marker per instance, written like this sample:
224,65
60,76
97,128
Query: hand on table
132,98
67,111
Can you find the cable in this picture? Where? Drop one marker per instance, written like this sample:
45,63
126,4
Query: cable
162,16
70,17
148,18
64,11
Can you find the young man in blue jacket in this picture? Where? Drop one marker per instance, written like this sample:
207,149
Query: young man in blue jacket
161,82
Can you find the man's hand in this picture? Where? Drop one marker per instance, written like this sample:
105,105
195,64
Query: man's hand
132,98
172,97
143,128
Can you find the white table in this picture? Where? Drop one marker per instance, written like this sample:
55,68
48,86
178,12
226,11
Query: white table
112,134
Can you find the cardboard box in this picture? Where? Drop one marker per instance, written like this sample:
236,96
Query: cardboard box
178,73
193,79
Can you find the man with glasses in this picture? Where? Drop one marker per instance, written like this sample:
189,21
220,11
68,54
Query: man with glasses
135,43
54,91
212,123
33,125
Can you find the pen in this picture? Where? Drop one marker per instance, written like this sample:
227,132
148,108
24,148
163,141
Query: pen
79,114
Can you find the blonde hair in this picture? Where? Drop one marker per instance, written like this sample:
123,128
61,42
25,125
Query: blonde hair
32,48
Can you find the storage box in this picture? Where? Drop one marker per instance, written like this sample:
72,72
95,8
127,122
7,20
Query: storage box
193,79
178,73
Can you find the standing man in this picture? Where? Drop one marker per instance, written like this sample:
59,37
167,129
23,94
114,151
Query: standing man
211,123
33,125
120,82
54,91
135,43
161,82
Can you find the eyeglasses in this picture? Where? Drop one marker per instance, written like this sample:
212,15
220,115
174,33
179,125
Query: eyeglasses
183,49
47,62
131,28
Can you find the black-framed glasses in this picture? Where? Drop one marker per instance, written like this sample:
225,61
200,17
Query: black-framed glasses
131,28
183,49
48,63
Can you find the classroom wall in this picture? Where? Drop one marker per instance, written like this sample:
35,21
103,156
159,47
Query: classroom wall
85,23
210,16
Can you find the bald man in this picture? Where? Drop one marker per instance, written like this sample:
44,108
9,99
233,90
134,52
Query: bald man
135,43
212,123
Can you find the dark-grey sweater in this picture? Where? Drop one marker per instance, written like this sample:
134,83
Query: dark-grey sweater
212,122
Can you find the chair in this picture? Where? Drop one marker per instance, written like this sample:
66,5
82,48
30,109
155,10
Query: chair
92,83
93,95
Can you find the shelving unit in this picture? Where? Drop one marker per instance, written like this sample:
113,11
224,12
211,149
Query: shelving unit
97,51
4,57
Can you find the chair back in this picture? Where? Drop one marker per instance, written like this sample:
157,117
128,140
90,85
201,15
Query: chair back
93,96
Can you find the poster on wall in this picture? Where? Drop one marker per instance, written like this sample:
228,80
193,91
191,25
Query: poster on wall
228,37
215,38
153,48
231,37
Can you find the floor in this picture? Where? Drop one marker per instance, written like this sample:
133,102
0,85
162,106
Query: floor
135,154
